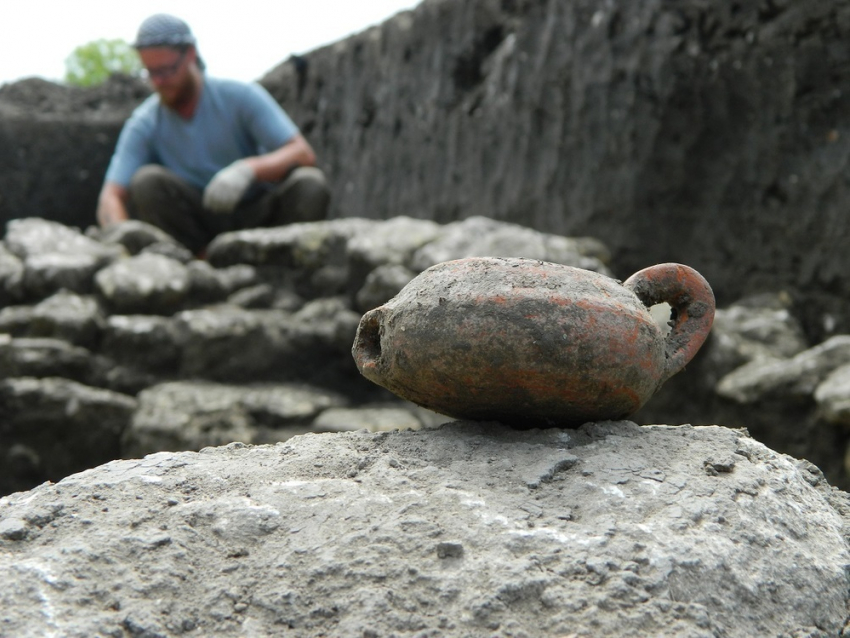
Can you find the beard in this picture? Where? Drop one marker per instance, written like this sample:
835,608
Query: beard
178,96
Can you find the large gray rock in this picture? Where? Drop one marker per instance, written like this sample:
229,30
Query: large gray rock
234,344
484,237
381,285
147,282
468,530
189,415
11,276
33,236
789,380
392,243
758,327
52,427
77,319
145,342
48,273
833,396
309,257
231,343
133,235
26,357
56,257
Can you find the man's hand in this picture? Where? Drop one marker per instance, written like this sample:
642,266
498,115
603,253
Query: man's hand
112,204
228,186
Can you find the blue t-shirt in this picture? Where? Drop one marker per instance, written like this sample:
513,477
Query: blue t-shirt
233,120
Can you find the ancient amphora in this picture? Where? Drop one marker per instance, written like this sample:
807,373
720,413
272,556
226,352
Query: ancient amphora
530,343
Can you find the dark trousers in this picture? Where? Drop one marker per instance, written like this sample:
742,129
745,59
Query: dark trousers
160,198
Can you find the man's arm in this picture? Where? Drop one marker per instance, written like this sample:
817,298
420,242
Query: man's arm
273,166
227,186
112,204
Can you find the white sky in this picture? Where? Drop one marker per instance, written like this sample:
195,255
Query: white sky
240,39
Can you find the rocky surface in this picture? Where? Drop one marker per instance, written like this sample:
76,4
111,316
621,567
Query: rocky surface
254,345
119,343
757,371
470,529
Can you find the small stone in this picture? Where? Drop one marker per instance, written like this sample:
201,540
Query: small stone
13,529
449,550
713,467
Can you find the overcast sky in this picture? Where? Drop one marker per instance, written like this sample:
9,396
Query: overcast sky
240,39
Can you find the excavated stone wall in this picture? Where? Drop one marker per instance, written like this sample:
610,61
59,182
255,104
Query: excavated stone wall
711,133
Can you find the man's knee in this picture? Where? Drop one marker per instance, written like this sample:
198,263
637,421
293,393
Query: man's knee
304,196
155,191
149,176
147,188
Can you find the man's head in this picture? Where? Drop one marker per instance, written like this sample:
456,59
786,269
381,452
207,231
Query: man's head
168,52
162,30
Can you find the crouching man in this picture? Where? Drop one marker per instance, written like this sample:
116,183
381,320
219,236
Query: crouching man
202,155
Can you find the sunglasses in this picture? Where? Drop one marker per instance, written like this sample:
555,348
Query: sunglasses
165,71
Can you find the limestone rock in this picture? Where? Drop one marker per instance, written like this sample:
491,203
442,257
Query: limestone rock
27,357
483,237
833,396
382,284
259,296
376,418
170,249
75,318
231,343
206,286
145,342
154,283
310,256
64,315
758,327
331,320
11,276
392,242
56,256
65,426
189,415
468,530
49,273
237,277
134,235
33,236
789,380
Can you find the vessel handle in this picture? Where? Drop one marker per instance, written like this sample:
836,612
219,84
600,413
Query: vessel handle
692,300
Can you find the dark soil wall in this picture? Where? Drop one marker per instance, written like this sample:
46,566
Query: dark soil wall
55,144
711,133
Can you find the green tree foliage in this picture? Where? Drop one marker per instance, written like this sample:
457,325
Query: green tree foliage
94,62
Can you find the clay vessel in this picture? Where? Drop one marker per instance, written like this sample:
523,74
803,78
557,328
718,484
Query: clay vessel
530,343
